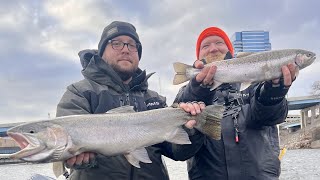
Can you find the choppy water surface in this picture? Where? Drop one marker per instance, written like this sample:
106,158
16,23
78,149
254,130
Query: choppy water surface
303,164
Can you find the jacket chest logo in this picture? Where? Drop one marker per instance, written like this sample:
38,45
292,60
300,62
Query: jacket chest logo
153,104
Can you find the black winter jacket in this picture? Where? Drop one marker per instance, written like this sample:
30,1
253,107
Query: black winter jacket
102,90
255,156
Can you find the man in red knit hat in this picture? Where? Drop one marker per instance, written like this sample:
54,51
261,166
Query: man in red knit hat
249,145
219,37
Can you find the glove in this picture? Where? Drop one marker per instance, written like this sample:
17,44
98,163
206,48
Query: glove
271,94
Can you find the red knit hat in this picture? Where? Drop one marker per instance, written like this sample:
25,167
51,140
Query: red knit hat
213,31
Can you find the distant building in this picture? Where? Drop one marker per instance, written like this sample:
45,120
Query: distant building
251,41
3,131
5,127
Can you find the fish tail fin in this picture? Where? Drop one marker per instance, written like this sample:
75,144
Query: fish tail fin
209,121
180,76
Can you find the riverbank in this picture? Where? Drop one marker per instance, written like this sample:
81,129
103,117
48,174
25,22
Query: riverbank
305,138
298,164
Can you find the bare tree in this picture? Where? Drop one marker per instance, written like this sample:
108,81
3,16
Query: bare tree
315,88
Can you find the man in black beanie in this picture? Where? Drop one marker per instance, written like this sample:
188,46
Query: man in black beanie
117,28
112,79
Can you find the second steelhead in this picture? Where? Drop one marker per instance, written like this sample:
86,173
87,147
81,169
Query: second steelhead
255,67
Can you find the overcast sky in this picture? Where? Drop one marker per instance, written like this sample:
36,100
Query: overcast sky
40,40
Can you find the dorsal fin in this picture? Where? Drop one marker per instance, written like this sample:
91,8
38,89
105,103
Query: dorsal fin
122,109
243,54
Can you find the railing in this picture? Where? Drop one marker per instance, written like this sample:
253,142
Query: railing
10,161
9,150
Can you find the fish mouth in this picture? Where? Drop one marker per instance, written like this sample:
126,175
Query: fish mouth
22,142
310,57
310,61
28,144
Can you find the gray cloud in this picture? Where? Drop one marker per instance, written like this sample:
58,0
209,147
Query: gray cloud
32,84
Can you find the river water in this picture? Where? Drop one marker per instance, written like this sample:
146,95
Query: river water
302,164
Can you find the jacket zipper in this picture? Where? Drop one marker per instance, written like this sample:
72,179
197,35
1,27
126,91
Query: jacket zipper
127,102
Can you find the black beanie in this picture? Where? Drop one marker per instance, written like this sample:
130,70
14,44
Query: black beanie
118,28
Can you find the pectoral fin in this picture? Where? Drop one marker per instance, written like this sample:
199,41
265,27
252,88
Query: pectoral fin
245,85
58,169
138,155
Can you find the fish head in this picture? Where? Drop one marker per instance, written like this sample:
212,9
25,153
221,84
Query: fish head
304,58
39,141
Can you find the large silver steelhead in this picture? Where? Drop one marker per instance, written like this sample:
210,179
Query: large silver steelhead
249,67
119,131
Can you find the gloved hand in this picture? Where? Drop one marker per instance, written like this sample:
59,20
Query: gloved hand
273,92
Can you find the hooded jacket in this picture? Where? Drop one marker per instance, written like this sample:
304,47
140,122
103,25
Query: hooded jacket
101,90
255,155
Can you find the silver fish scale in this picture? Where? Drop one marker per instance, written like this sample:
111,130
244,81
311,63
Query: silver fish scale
253,68
257,67
133,135
110,134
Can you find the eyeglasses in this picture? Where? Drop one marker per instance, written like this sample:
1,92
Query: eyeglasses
119,45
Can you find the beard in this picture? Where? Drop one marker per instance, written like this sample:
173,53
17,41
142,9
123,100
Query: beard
217,57
124,74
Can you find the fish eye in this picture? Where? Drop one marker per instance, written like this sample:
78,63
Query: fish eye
31,131
309,55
